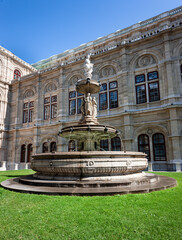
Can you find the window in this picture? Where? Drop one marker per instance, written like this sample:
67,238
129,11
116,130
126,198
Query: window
45,147
104,145
147,91
53,147
17,74
103,97
50,107
23,150
159,148
29,153
75,102
143,145
113,95
28,111
71,146
116,144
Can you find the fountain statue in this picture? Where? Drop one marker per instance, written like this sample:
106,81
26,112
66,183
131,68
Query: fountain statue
89,171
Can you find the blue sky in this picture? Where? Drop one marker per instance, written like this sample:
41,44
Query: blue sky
37,29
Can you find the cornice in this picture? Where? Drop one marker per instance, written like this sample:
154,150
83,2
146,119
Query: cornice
112,41
10,54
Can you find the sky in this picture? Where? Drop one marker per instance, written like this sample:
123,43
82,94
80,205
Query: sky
38,29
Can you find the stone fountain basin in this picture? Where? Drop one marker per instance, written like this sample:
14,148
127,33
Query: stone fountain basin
95,165
96,132
85,86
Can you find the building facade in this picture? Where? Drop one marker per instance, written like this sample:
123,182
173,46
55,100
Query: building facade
140,71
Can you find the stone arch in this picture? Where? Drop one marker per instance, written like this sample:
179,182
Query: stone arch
110,64
150,130
50,87
145,61
28,93
26,141
72,78
48,139
107,71
177,49
155,55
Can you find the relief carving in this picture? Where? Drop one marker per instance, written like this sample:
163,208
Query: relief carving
145,61
50,87
107,71
29,93
74,80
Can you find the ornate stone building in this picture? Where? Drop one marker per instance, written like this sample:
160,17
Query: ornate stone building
140,71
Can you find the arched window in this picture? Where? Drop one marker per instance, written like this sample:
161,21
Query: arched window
71,146
159,147
116,144
143,145
23,150
104,145
45,147
17,74
29,153
53,147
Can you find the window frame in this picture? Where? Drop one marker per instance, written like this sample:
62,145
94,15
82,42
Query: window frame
50,106
148,82
107,93
16,76
159,144
143,145
75,98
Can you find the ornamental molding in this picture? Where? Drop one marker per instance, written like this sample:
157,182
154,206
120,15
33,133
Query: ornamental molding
145,61
113,40
72,78
145,57
150,127
28,93
106,69
177,49
50,87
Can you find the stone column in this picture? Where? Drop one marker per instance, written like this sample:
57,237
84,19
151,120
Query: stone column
128,133
176,137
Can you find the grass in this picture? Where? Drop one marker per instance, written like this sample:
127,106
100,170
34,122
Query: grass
156,215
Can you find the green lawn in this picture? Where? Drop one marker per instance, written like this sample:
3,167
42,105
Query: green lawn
156,215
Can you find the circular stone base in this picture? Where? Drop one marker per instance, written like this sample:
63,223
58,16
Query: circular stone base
147,183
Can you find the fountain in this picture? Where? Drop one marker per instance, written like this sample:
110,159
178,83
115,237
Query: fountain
89,171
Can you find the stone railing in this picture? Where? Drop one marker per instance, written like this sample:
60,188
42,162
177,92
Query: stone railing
69,53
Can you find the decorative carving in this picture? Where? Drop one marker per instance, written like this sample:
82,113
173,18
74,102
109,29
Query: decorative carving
150,131
107,71
89,107
145,60
50,87
88,67
74,80
29,93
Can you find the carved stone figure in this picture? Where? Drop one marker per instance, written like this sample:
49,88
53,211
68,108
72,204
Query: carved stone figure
88,105
94,108
88,67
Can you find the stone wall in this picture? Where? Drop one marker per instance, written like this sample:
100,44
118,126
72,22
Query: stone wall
141,50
